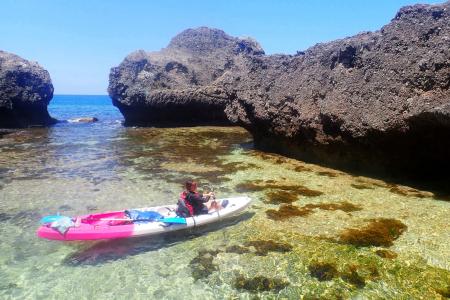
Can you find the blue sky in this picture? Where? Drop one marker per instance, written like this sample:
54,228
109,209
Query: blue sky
78,41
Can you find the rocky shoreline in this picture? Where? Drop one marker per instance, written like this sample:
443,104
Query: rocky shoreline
25,92
375,101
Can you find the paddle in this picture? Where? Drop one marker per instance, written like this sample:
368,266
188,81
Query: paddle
51,219
163,220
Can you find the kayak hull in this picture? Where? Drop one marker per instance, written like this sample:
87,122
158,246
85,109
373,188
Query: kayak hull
112,225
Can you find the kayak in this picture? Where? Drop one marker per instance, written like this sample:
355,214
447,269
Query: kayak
116,224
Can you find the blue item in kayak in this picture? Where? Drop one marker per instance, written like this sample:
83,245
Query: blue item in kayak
143,216
62,224
50,219
174,220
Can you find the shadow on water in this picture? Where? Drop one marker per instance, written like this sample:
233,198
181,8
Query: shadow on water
106,251
437,183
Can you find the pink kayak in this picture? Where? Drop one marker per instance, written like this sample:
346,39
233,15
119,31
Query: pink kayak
115,225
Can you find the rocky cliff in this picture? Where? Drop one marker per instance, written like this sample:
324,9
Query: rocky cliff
25,91
175,85
377,100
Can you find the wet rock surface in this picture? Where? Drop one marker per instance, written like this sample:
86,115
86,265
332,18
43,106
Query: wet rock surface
378,100
25,92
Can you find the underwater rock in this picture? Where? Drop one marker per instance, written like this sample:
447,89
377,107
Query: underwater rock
376,101
328,174
362,186
4,132
237,249
384,253
445,292
409,192
83,120
323,271
202,265
351,276
263,247
259,284
25,92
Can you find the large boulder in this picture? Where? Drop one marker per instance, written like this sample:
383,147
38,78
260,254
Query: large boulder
378,100
25,91
172,86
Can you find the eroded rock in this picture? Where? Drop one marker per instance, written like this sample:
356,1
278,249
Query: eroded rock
25,92
376,101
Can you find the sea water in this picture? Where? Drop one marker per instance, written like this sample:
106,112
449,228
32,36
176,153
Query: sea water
310,231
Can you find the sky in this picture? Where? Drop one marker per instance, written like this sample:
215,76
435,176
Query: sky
78,41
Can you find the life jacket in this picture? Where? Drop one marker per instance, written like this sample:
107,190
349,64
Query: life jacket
184,208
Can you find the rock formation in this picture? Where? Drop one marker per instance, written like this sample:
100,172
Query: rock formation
377,100
25,91
83,120
175,85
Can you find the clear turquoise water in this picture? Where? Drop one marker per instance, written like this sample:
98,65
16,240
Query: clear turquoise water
78,168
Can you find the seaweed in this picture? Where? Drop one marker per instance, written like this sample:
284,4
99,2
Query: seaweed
259,185
444,292
362,186
263,247
409,192
259,284
373,271
304,191
369,182
302,169
384,253
327,173
249,187
323,271
287,211
202,265
237,249
351,276
344,206
278,197
154,151
379,232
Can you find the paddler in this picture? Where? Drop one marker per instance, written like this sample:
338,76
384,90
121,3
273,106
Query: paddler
192,202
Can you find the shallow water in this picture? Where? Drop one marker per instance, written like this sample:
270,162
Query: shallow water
324,241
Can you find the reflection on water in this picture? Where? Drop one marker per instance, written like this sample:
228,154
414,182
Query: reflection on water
333,236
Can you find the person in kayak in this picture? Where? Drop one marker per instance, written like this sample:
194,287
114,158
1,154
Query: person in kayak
192,202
